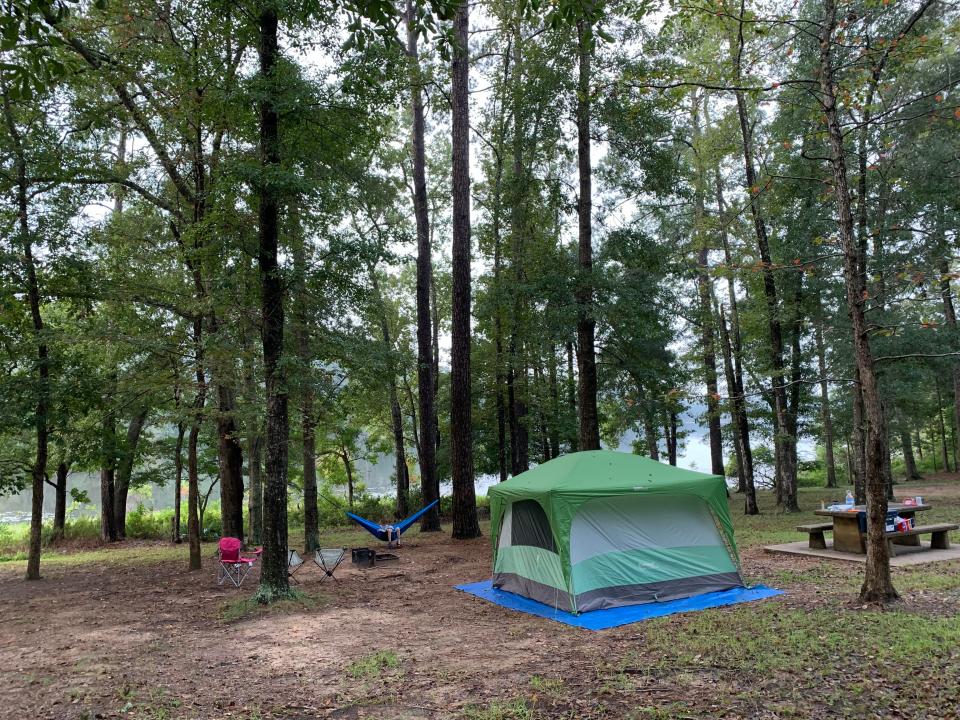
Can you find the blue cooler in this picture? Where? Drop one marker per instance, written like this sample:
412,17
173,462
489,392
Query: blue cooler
890,525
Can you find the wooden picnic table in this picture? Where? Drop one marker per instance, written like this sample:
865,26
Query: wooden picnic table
846,527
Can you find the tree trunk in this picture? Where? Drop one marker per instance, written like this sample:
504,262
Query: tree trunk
193,472
517,385
273,573
108,464
396,418
857,446
910,463
254,438
178,482
255,472
465,522
125,470
574,436
746,484
348,468
60,508
943,427
499,379
554,432
39,469
705,290
429,481
825,404
649,431
949,312
793,401
671,431
230,454
435,345
786,472
589,435
735,344
877,584
541,413
308,422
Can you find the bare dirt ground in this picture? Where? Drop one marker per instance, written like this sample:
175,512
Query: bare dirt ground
143,638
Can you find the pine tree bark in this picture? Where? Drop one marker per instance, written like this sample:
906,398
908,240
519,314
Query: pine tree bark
943,427
857,460
495,222
254,436
465,522
230,453
574,437
554,425
825,413
877,584
517,384
427,457
273,573
589,435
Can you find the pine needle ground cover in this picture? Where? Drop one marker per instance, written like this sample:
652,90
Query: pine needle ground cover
126,632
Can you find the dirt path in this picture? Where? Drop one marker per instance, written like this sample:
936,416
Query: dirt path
143,640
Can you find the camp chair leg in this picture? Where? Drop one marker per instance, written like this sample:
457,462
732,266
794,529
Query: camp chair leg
335,557
234,572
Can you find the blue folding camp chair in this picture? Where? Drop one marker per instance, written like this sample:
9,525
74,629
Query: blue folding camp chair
389,533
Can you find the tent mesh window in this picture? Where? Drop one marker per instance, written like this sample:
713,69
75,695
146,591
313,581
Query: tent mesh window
530,526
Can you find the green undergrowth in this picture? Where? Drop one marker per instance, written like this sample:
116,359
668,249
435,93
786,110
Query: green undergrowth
373,664
517,709
260,604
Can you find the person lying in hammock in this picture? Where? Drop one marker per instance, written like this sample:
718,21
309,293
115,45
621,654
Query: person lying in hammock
389,533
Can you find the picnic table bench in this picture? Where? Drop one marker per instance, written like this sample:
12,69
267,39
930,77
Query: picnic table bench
816,532
939,536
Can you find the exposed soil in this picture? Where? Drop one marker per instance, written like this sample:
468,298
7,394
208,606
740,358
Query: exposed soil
144,640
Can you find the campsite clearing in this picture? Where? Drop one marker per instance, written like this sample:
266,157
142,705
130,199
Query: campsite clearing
101,636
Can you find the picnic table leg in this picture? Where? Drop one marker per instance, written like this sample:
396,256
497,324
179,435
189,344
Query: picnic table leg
846,535
940,540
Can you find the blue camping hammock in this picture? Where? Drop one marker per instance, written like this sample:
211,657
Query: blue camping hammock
380,531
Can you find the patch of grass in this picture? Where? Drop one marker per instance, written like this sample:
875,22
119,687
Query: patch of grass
840,657
114,554
671,711
517,709
372,665
254,606
551,687
945,578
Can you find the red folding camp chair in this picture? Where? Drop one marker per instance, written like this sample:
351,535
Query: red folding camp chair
231,563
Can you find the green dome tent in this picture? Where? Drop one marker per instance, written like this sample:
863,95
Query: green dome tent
601,529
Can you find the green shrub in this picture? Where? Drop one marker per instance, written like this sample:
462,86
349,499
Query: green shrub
144,524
